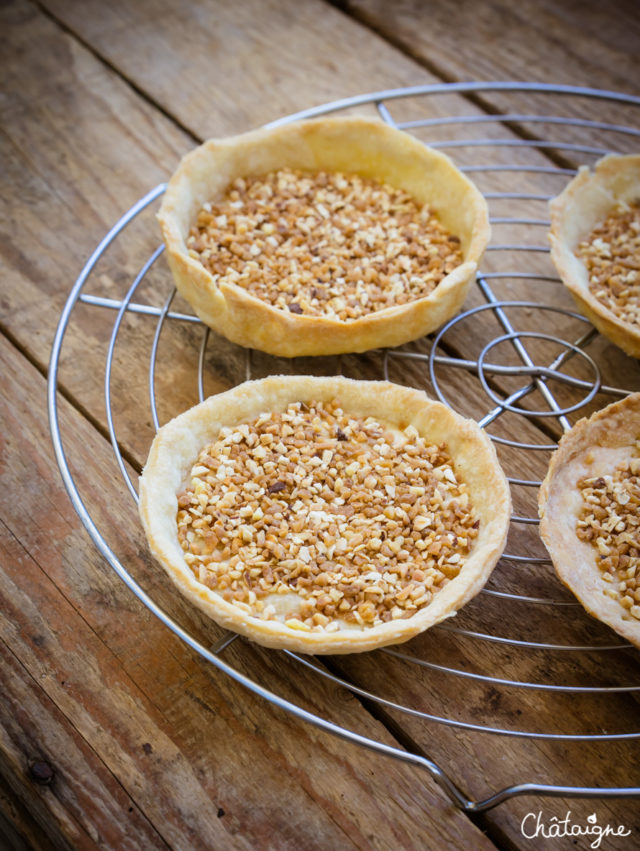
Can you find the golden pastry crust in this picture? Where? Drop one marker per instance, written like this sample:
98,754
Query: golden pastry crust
584,203
179,443
593,448
359,146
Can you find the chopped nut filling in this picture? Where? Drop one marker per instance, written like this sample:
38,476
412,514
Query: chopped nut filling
325,244
611,254
325,521
610,520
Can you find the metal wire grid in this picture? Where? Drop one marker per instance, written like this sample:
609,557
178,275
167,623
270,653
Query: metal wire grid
537,377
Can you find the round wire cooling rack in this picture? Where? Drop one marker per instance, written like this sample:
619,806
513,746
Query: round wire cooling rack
528,348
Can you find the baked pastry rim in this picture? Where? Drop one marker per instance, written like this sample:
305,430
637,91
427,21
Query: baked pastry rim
586,200
605,436
177,444
360,145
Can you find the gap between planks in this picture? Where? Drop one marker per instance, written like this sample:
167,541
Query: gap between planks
476,100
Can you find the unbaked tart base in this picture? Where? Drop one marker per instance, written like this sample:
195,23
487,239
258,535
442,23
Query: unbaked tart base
359,146
178,444
592,448
586,202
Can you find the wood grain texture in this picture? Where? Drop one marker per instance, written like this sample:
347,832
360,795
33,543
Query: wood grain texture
100,688
149,745
221,24
141,152
238,65
514,708
585,44
570,43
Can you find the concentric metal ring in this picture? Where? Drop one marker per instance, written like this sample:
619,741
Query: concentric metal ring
539,372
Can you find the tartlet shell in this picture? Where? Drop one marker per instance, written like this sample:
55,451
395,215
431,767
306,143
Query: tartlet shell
587,200
593,447
176,447
363,146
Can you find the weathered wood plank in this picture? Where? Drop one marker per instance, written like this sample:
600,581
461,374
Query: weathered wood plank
481,764
77,133
582,44
579,43
131,24
225,68
129,716
78,803
408,44
80,84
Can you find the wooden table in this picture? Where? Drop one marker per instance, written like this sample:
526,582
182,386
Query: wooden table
113,732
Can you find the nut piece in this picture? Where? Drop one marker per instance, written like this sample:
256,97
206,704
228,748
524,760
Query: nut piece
311,516
325,526
589,505
610,521
322,237
323,244
595,246
611,254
